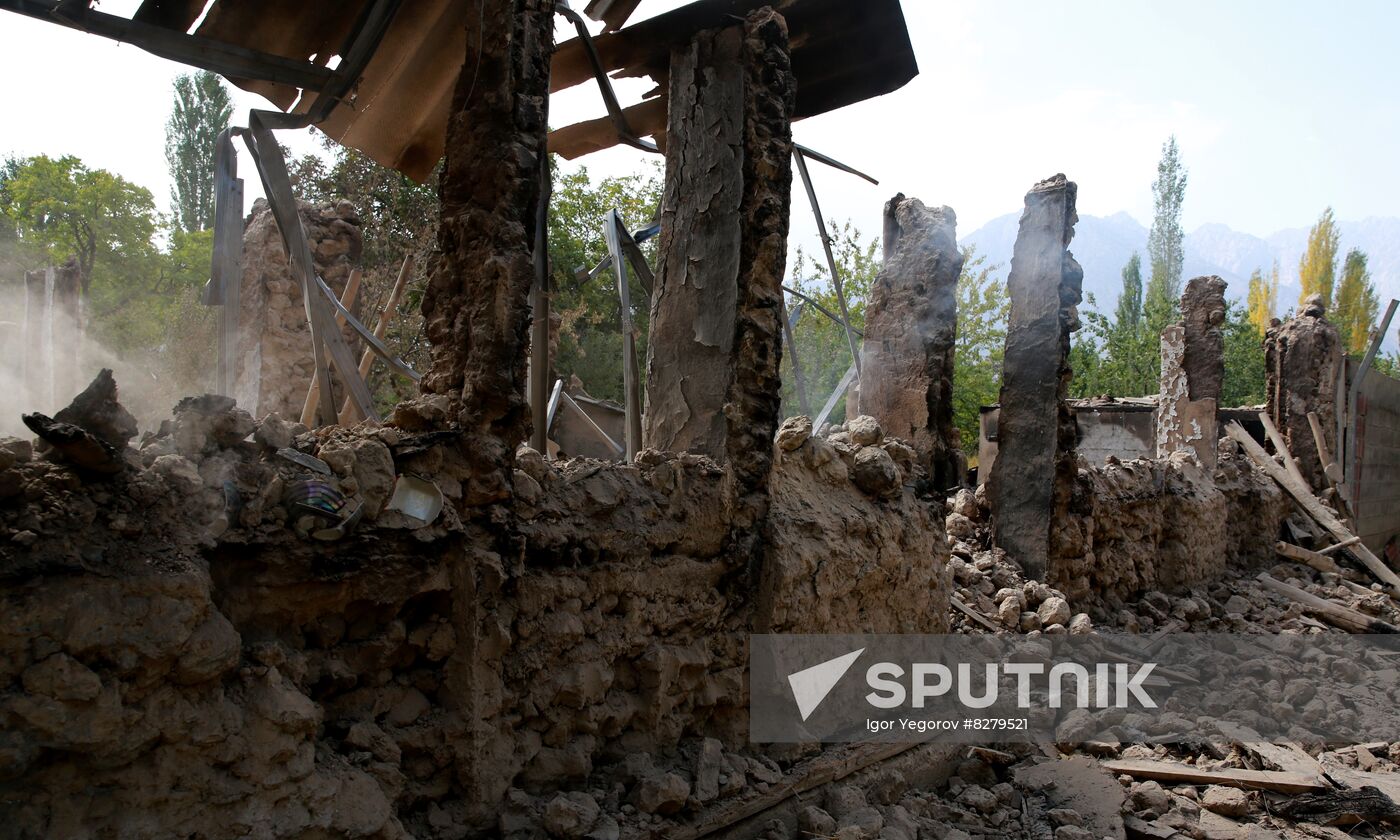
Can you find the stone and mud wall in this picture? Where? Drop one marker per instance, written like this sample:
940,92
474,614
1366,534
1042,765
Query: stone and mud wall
175,644
273,368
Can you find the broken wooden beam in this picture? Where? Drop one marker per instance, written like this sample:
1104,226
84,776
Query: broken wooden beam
1321,562
313,392
1323,515
1163,771
1281,448
1330,611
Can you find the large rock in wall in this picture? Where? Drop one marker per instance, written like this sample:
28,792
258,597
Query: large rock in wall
910,331
274,367
1302,358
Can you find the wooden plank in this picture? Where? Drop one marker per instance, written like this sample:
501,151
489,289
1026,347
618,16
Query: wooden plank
1281,447
1318,561
1330,467
1330,611
313,392
1347,777
348,412
973,614
1162,771
646,119
1315,509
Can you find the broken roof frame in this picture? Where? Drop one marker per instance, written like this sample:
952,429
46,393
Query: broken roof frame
332,86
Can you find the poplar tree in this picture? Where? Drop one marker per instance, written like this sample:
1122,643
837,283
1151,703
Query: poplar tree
1357,305
200,112
1262,302
1165,241
1317,268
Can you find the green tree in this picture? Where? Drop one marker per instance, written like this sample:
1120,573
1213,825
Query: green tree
1244,359
60,208
201,111
1317,268
820,341
983,309
1118,355
1165,240
1128,314
589,310
1357,305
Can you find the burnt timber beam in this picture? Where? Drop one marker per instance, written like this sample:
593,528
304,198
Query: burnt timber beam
206,53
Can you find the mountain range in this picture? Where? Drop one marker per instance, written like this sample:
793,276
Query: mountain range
1103,245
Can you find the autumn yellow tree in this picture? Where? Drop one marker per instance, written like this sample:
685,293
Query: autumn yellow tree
1317,269
1263,298
1357,304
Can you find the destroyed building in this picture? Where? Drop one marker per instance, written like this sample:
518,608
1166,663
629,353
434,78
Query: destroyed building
247,623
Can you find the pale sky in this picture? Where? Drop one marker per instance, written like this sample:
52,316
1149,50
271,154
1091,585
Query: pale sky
1280,108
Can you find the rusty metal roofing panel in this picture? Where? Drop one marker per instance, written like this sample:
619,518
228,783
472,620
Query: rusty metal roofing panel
397,113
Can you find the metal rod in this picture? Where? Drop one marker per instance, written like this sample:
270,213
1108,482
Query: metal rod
836,319
624,131
631,383
797,377
835,397
539,324
277,185
830,258
832,162
313,391
553,406
584,274
225,274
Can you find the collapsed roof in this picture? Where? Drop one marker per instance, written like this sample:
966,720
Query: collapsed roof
395,106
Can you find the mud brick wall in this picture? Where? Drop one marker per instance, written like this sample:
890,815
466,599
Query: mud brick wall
1163,524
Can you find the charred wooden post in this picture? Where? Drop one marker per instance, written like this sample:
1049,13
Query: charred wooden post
910,331
1303,358
1033,475
476,307
1193,371
715,344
